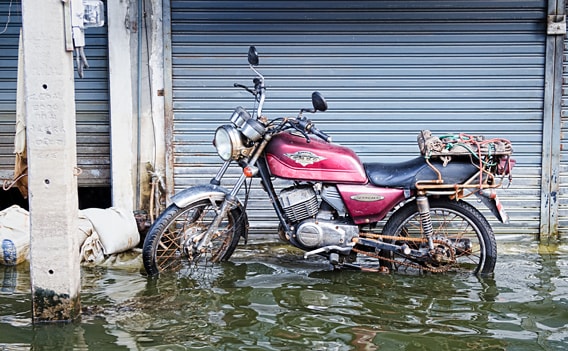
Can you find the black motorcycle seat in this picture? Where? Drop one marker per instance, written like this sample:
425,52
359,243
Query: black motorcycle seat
406,174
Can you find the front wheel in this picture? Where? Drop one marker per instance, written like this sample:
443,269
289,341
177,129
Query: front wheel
463,239
169,244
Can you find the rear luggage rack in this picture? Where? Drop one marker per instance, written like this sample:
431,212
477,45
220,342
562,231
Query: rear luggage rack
492,157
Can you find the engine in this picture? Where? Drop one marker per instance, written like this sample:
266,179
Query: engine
300,204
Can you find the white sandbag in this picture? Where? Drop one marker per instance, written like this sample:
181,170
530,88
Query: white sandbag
85,228
14,235
116,228
92,250
128,260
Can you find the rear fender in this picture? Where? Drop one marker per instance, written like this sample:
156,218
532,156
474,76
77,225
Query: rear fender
491,200
207,192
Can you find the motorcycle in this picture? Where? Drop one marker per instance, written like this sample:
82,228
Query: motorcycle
411,216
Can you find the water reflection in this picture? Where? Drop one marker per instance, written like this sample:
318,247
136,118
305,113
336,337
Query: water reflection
277,301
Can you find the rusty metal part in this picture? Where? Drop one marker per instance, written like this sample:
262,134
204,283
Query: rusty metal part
442,269
434,185
391,237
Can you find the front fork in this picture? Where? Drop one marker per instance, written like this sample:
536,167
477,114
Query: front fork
229,202
231,198
426,220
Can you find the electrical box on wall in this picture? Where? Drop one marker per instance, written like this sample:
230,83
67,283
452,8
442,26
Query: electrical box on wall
82,14
94,15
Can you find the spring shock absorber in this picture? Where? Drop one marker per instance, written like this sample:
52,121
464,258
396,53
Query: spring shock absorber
424,210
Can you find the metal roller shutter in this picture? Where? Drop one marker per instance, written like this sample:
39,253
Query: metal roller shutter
91,96
387,68
563,191
8,75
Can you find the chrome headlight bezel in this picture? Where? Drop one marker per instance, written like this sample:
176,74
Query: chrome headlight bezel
229,142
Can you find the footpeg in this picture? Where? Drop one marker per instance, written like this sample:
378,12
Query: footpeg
341,249
334,258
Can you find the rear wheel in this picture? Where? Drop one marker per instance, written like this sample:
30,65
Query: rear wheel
464,240
169,244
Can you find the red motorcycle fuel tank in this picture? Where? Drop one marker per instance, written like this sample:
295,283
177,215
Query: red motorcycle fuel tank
291,156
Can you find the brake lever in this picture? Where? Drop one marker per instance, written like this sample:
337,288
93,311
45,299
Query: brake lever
237,85
296,126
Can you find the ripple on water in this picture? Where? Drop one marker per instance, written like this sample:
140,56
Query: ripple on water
281,302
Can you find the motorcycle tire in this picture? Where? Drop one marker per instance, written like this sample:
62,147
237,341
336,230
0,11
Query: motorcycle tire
164,249
460,230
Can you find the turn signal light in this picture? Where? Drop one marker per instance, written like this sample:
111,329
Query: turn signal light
250,171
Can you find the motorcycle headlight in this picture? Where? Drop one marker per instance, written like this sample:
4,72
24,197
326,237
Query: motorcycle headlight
228,142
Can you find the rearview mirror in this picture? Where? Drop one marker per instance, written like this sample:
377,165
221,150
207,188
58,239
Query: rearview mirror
252,56
318,101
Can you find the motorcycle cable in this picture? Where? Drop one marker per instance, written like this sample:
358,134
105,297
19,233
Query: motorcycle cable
277,123
245,203
248,188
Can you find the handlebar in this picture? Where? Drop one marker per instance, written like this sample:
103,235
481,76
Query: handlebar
257,92
315,131
305,126
301,124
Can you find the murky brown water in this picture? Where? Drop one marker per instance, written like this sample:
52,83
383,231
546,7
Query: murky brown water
268,298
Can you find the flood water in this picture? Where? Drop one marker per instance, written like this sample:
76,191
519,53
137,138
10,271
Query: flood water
269,298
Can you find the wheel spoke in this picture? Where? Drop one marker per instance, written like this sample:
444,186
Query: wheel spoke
462,238
169,245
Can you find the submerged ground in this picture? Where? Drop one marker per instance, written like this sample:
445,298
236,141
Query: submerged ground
269,298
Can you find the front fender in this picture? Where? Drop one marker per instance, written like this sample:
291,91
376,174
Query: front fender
200,192
208,192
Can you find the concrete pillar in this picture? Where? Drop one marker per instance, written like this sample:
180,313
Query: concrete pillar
50,120
122,118
136,99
